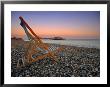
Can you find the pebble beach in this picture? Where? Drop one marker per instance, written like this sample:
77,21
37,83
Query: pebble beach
72,62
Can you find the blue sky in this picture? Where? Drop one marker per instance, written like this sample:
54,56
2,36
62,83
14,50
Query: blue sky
68,24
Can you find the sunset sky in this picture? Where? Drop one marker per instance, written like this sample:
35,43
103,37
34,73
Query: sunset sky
66,24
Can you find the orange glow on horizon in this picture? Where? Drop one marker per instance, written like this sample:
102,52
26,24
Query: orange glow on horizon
57,31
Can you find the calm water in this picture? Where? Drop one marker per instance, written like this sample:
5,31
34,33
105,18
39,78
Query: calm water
79,43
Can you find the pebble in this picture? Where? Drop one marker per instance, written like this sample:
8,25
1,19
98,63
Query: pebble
72,62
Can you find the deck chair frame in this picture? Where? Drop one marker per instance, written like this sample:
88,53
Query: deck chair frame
35,42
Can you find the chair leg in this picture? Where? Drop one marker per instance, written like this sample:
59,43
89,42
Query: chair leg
20,63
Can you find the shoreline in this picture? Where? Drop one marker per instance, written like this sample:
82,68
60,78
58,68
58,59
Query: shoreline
71,45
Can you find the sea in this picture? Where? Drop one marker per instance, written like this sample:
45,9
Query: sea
89,43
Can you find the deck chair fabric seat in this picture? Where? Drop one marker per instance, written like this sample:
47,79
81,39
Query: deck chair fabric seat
42,50
53,47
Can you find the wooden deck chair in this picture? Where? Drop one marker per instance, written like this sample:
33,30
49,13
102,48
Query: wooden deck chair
36,49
